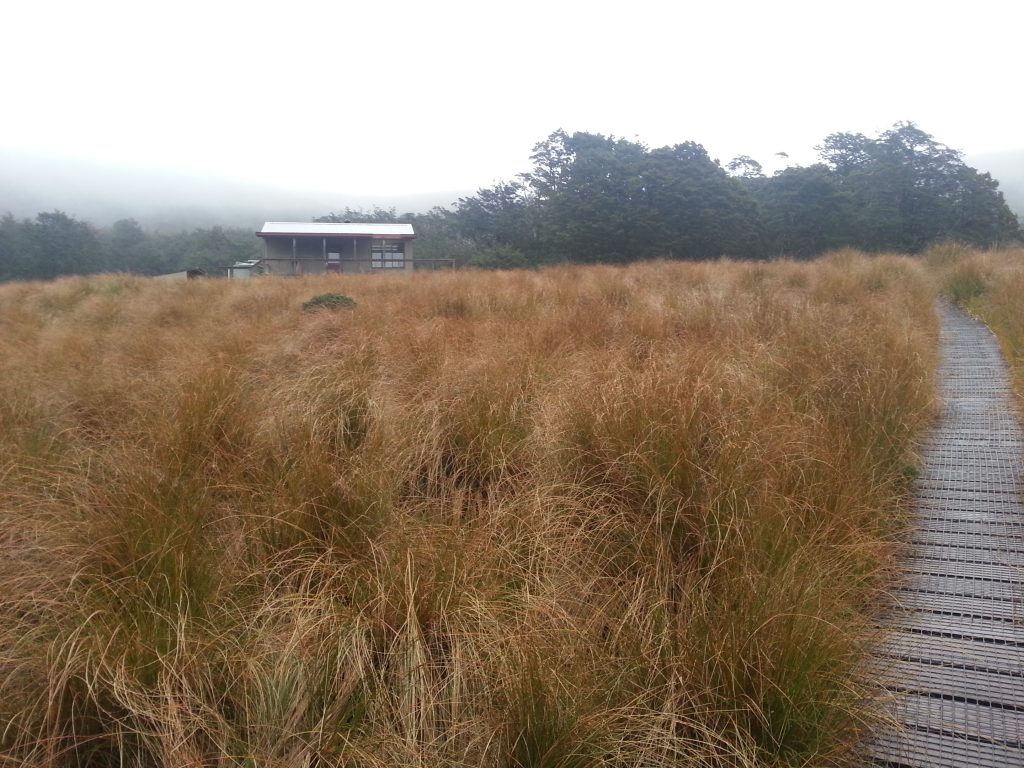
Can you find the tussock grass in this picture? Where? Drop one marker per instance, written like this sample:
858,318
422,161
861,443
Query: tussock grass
604,516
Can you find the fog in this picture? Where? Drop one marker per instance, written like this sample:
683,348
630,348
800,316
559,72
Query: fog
166,201
236,111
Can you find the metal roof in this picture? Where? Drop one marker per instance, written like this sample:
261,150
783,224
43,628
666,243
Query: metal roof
308,228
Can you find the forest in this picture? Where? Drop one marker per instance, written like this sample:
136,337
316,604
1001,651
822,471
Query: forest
590,198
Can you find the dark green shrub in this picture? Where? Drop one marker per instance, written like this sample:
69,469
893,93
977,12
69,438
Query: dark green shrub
328,301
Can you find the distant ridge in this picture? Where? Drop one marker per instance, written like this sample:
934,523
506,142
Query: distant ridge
168,201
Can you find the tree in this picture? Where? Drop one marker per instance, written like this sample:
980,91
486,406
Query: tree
982,215
910,190
498,215
439,235
845,153
589,191
745,167
376,215
592,198
126,245
695,209
62,245
805,211
15,248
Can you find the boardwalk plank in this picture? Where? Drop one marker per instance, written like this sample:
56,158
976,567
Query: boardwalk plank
958,626
975,723
981,540
965,569
916,749
961,605
953,585
1000,659
912,674
998,552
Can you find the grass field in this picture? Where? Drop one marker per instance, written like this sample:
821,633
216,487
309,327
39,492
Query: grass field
583,516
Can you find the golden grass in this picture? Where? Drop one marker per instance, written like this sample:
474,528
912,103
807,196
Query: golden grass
583,516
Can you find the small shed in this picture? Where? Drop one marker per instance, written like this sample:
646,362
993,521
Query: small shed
302,248
188,274
241,270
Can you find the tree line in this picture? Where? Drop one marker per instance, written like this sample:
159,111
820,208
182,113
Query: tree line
591,198
56,243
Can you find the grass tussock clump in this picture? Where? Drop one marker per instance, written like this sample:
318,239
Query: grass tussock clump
604,516
328,301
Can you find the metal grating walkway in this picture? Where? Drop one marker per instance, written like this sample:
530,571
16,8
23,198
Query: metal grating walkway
953,660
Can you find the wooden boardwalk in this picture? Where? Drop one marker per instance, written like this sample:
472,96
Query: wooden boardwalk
954,658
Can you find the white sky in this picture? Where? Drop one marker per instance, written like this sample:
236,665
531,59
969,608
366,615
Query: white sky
395,98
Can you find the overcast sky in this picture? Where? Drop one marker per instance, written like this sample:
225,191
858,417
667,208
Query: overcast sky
400,98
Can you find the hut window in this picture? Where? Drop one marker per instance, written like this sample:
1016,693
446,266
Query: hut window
387,254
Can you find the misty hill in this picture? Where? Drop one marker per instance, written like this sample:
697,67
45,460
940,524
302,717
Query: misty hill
1008,168
161,200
